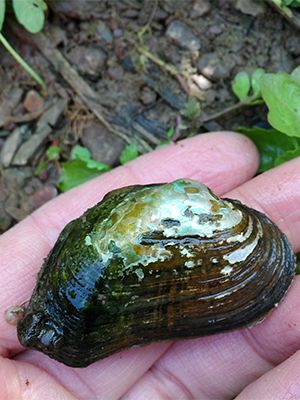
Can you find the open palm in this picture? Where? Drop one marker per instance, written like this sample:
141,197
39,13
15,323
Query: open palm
257,363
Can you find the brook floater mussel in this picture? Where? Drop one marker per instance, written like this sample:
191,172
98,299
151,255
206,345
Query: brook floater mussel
155,262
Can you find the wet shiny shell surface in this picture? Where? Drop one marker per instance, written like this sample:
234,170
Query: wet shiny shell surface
155,262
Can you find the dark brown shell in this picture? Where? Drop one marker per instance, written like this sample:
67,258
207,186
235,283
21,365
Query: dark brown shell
155,262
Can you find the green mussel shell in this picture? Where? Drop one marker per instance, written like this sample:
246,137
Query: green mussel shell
156,262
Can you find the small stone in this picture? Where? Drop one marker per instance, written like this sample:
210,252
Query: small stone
33,101
183,36
104,32
88,60
200,8
216,67
11,145
43,129
115,72
41,196
118,33
147,96
103,145
202,82
251,7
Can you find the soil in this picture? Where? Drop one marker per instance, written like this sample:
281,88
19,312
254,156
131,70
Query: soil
139,63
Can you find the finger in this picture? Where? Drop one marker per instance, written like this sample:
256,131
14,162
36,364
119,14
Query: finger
212,158
281,383
24,381
221,366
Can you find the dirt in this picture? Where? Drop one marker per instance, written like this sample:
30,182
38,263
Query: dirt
144,60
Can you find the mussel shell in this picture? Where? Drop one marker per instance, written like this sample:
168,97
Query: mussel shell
155,262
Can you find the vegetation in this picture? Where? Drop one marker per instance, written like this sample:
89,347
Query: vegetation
30,14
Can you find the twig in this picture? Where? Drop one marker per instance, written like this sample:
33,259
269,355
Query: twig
222,113
287,13
16,119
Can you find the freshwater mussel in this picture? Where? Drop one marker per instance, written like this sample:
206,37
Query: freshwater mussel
155,262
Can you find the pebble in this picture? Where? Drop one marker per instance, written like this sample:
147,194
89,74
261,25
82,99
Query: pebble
43,128
202,82
104,32
89,60
200,8
182,35
147,96
251,7
215,67
104,146
33,101
118,33
11,145
41,196
115,72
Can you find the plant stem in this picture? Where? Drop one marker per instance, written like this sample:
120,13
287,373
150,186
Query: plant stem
21,61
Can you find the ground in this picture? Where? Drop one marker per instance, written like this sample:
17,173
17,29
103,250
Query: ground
120,72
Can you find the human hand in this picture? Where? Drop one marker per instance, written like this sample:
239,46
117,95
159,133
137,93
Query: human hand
263,360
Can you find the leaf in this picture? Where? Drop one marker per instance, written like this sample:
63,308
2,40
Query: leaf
287,156
74,173
170,133
30,14
80,153
53,153
2,13
296,74
129,153
282,95
42,165
241,85
255,82
191,108
274,147
79,169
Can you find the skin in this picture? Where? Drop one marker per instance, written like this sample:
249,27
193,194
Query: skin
262,362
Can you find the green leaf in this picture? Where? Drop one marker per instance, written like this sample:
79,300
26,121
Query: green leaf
129,153
53,153
241,85
42,165
296,74
287,156
282,95
79,169
2,13
30,14
80,153
74,173
170,133
191,108
274,147
255,82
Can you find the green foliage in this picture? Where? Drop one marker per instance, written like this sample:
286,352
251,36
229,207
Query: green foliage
288,3
281,93
247,87
2,13
274,147
79,169
241,85
30,14
53,153
191,108
129,153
